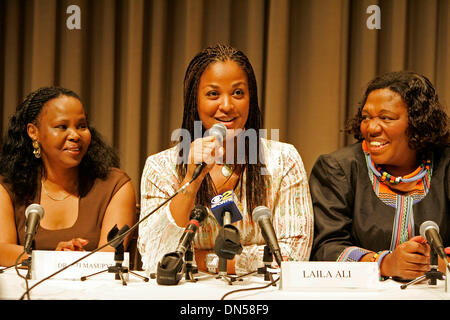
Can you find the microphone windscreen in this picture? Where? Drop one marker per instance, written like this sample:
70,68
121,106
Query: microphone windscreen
228,243
199,213
427,225
219,131
260,212
226,201
34,207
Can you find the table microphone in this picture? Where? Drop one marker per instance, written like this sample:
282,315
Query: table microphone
225,209
170,268
33,213
262,216
430,231
228,241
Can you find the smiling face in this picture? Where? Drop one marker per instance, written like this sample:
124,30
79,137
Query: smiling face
62,132
223,96
384,124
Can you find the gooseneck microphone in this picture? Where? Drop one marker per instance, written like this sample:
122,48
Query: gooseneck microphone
219,131
33,213
430,231
170,268
262,215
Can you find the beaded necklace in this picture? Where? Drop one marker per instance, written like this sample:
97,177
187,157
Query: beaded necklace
403,226
418,174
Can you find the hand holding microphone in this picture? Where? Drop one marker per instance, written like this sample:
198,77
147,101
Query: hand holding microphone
202,153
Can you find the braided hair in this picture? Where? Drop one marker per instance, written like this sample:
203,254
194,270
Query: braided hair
256,183
427,120
21,168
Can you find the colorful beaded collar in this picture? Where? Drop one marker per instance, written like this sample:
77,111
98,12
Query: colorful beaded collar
418,174
385,177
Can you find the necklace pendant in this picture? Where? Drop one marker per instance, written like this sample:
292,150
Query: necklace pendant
227,170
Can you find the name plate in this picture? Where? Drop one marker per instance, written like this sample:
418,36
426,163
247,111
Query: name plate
295,275
45,263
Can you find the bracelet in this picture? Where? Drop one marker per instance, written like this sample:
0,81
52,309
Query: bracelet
382,256
375,256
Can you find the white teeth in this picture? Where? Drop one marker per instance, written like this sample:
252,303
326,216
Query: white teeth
376,143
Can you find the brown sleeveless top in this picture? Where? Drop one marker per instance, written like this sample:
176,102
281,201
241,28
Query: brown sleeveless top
91,210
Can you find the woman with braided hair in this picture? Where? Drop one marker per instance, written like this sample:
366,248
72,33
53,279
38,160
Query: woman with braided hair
52,157
220,88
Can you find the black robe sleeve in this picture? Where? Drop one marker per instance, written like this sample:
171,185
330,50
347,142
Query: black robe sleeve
333,197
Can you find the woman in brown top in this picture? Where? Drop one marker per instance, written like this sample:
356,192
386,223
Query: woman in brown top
51,156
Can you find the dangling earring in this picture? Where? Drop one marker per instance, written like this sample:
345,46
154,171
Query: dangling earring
37,149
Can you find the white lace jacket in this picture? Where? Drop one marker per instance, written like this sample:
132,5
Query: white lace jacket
289,200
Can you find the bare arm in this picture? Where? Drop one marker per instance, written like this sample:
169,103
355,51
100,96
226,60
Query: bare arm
202,149
9,249
121,210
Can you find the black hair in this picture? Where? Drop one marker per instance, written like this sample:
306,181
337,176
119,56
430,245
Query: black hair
21,168
256,183
427,119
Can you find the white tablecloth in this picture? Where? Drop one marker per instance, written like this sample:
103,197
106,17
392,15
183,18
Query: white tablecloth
207,287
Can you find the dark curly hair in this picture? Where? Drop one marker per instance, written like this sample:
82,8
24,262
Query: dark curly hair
21,168
255,182
427,119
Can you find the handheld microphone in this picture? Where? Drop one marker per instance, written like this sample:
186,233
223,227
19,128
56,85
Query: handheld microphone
430,231
33,213
219,131
262,215
169,271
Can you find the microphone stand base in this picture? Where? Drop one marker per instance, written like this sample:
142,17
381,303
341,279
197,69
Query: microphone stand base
268,276
228,279
431,275
119,271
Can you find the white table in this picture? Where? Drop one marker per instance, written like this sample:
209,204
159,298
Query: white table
207,287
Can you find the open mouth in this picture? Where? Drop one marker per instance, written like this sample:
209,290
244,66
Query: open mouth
228,122
377,145
73,150
225,119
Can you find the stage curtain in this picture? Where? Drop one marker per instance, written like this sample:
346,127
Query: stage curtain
127,60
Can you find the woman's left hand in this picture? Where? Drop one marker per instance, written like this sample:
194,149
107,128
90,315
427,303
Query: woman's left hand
75,244
409,260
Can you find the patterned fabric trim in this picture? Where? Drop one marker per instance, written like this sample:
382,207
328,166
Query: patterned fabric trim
403,226
352,254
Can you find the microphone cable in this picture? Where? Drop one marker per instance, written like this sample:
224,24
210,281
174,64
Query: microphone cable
17,263
123,235
272,283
